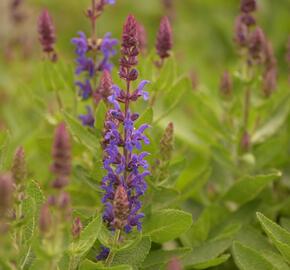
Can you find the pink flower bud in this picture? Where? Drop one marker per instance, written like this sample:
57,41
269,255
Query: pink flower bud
77,228
174,264
61,153
46,31
226,84
164,38
19,167
269,81
246,141
6,192
248,6
121,208
45,219
142,37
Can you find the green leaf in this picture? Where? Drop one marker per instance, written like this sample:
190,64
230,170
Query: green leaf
249,187
285,222
173,98
273,124
4,140
213,262
279,236
208,253
146,117
200,229
168,224
100,115
87,238
135,255
83,135
89,265
31,207
158,257
166,75
163,197
250,259
174,172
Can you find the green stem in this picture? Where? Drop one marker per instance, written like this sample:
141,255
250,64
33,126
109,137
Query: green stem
112,253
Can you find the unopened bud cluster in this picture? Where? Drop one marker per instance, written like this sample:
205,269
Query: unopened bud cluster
251,38
46,32
164,39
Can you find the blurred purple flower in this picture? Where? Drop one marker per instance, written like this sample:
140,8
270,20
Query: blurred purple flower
107,48
85,89
88,119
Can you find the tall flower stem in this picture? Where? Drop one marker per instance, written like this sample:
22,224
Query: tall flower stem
127,101
112,253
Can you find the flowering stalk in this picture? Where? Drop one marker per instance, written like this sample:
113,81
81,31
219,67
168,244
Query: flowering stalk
256,51
89,65
47,37
124,183
56,211
164,40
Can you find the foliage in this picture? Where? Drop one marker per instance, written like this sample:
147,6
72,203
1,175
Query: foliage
208,198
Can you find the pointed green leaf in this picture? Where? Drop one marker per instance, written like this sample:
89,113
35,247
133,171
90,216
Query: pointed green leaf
250,259
134,255
83,135
207,253
212,262
168,224
279,236
159,257
87,238
249,187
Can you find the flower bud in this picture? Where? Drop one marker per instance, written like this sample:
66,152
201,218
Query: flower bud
226,84
246,141
166,143
133,75
164,38
77,228
61,153
142,37
257,44
6,192
174,264
106,83
45,219
248,19
46,32
120,208
248,6
241,32
269,81
19,167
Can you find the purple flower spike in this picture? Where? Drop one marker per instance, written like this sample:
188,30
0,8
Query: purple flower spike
88,119
126,169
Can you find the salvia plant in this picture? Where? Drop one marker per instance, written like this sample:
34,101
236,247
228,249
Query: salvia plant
117,156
